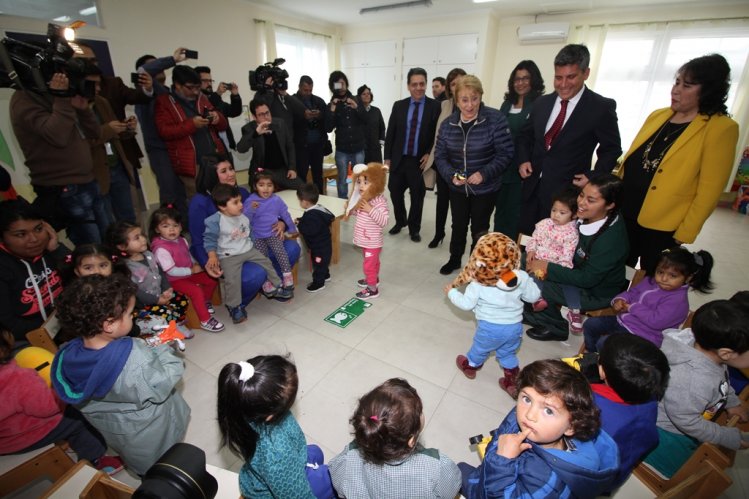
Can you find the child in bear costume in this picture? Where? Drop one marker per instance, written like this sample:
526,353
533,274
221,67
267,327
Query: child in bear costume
496,292
371,210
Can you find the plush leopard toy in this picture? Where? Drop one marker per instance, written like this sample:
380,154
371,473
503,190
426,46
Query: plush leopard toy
493,259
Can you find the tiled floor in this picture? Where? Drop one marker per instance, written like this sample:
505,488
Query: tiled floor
411,331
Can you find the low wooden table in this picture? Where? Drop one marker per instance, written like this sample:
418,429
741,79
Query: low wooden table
334,204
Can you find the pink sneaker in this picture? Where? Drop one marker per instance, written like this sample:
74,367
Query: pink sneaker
540,305
110,464
575,319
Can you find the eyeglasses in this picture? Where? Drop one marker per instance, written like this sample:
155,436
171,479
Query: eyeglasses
207,81
518,79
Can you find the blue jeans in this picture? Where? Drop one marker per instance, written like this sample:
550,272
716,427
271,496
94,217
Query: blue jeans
571,293
86,211
342,159
119,200
597,329
503,339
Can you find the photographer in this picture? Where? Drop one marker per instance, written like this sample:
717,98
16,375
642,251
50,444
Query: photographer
272,147
349,120
310,136
189,125
270,83
52,132
230,109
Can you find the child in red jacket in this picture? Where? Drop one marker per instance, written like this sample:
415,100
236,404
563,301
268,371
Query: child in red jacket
32,417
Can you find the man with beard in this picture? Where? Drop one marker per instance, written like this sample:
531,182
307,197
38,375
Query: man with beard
230,109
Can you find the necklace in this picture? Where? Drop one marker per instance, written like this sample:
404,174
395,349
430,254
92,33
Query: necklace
650,165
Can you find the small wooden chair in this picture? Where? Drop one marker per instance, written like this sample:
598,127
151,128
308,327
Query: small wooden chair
102,486
708,481
44,336
51,464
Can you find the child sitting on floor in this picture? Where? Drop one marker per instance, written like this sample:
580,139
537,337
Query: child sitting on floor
549,445
698,386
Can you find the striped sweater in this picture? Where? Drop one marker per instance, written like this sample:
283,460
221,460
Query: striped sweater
368,226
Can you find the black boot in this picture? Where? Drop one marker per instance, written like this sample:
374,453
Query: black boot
450,266
438,238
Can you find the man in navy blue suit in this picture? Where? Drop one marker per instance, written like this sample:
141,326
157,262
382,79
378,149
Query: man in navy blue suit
555,147
408,141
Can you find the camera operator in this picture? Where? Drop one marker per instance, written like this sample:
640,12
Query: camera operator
189,125
349,120
52,132
310,136
284,107
272,147
230,109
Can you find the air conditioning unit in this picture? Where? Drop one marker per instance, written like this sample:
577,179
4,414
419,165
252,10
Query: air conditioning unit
543,32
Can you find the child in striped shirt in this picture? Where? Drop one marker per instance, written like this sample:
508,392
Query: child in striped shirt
372,215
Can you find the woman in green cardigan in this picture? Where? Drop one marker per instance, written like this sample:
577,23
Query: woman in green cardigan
525,84
598,264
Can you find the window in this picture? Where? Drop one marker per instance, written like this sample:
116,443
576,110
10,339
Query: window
638,64
306,54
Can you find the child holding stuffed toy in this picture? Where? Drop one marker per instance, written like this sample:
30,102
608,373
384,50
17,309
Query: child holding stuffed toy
496,292
372,213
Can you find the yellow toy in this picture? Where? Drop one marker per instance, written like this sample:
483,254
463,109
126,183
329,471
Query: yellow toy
481,442
38,359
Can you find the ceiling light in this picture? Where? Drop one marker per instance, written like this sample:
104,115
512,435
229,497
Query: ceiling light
378,8
61,19
88,11
483,1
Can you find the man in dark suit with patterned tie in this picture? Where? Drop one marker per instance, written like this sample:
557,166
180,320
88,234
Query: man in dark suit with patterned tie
555,147
408,141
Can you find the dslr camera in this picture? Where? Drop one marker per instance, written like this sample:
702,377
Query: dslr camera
260,75
30,65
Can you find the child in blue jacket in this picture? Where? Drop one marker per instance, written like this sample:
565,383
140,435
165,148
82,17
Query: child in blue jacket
550,445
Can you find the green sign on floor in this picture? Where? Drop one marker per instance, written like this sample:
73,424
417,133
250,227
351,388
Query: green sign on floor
346,313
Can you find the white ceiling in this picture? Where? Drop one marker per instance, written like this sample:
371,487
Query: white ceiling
347,12
51,9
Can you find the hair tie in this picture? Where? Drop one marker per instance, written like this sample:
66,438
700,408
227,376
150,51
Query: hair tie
68,258
247,370
374,418
260,170
698,259
114,258
170,206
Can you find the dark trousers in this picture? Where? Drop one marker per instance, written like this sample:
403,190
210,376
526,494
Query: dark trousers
532,210
320,265
310,156
83,438
646,244
407,176
476,209
507,215
597,329
443,206
171,188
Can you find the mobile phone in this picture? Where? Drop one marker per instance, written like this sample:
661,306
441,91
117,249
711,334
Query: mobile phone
227,85
135,78
191,54
206,114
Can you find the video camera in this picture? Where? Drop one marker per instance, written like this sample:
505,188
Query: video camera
30,65
269,69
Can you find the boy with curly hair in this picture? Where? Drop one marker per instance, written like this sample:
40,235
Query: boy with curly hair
123,387
550,445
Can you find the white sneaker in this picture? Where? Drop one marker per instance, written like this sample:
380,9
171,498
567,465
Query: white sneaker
212,325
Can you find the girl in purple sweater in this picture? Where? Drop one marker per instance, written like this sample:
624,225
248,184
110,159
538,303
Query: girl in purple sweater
264,210
658,302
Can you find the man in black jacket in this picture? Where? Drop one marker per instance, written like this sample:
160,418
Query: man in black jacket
309,134
230,109
408,141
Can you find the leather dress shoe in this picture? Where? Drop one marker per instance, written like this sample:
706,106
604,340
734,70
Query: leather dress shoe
395,230
450,266
416,238
541,334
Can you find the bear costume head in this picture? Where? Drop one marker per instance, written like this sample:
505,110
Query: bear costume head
376,175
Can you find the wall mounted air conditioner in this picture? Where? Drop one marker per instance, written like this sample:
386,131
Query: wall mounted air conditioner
543,32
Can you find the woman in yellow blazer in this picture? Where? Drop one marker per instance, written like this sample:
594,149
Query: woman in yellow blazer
679,162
